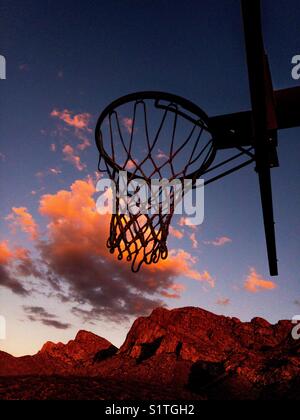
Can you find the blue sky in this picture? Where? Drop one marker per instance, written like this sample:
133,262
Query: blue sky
79,56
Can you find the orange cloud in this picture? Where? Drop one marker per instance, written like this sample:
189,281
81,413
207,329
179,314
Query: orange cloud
14,263
206,277
219,241
21,219
181,263
176,233
71,157
256,283
5,253
79,121
177,290
76,253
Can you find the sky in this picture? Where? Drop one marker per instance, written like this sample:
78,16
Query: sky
66,61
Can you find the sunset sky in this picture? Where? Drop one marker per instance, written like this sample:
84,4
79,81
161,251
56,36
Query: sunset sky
66,61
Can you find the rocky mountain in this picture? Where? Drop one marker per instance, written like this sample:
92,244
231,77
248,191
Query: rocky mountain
58,359
182,353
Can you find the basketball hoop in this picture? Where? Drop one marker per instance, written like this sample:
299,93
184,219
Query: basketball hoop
151,135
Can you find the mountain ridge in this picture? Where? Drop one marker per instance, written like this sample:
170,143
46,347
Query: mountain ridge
187,352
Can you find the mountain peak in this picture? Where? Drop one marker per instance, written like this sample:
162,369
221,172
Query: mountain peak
87,336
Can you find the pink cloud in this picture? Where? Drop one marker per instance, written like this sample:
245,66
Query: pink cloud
185,221
53,147
223,240
71,157
255,282
79,122
223,302
162,155
84,144
130,165
128,124
193,238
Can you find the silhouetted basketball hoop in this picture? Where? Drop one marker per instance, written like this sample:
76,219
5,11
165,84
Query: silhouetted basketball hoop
151,135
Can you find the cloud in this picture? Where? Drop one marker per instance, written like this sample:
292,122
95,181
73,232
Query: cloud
193,238
223,240
77,267
206,277
38,311
24,67
8,279
177,290
130,165
176,233
162,155
21,219
297,302
75,252
5,253
55,171
128,124
185,221
223,302
71,157
85,143
2,157
256,283
51,171
53,147
24,265
79,121
39,314
56,324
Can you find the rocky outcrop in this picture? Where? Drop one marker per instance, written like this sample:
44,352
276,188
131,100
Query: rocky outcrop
78,352
67,359
193,334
